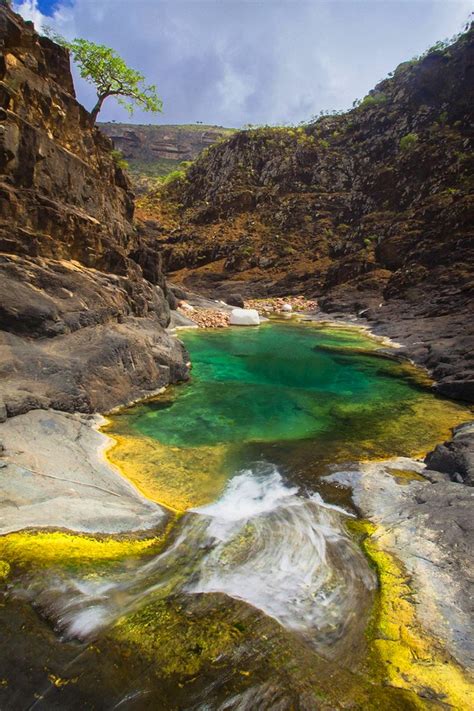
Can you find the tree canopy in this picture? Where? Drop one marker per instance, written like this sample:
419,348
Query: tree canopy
108,72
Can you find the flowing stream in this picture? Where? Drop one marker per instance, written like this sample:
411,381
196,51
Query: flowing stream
257,591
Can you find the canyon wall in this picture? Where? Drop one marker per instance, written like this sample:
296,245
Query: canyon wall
370,211
83,300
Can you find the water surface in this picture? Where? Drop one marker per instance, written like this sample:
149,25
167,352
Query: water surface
300,396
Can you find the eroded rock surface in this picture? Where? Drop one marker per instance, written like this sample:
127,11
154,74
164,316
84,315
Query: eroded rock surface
429,527
173,143
83,300
456,456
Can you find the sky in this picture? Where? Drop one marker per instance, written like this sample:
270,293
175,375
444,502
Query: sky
239,62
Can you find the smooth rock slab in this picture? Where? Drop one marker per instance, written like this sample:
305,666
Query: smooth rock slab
56,476
244,317
429,527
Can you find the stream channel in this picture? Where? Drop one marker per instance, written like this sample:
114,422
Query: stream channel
255,592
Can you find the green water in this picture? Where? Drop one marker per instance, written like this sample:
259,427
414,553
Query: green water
267,384
298,395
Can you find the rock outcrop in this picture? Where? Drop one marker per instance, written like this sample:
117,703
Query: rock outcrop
455,458
83,301
369,211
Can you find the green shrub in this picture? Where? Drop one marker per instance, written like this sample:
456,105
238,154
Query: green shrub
407,142
372,100
118,159
443,118
174,177
368,240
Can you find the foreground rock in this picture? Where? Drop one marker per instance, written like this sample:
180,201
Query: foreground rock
428,527
455,457
84,304
53,474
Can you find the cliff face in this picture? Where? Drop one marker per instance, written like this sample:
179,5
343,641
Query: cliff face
149,144
371,211
83,301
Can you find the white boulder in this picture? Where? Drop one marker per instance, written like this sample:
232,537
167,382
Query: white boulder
287,308
244,317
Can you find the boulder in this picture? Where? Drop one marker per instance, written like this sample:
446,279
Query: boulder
244,317
234,300
456,456
287,308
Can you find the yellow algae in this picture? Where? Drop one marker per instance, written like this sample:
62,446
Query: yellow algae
425,423
178,478
405,476
176,642
406,655
60,682
50,548
4,569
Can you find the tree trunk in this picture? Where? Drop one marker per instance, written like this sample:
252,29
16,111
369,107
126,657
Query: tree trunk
97,108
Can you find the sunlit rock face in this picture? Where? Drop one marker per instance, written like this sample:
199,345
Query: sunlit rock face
83,298
149,144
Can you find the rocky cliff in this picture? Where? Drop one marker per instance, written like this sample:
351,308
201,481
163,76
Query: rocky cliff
83,301
149,144
370,211
153,152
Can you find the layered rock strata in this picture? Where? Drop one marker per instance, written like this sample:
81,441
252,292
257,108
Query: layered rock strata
83,301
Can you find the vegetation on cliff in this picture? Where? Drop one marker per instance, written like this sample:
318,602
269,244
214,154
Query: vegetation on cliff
83,299
107,71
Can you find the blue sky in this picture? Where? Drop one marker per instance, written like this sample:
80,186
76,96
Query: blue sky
234,62
47,6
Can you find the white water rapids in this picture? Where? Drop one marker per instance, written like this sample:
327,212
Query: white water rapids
260,542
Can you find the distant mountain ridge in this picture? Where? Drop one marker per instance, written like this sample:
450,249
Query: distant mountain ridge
157,149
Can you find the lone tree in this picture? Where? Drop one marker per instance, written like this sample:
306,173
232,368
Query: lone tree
103,67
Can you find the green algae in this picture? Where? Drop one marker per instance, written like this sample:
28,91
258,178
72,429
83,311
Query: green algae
299,395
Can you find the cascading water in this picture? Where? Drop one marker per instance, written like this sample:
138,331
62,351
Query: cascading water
284,554
260,542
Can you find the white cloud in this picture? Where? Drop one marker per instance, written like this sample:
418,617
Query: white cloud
263,61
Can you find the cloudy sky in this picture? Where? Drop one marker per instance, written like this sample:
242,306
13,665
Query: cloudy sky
235,62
